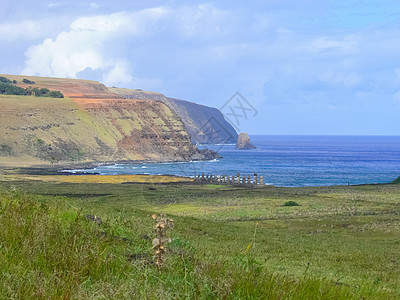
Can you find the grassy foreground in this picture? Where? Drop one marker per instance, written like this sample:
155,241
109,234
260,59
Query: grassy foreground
228,242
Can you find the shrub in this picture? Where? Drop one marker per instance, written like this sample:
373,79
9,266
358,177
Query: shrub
291,203
27,81
56,94
9,89
4,80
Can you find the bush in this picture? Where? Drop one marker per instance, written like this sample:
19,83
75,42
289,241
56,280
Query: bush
56,94
4,80
291,203
27,81
9,89
396,180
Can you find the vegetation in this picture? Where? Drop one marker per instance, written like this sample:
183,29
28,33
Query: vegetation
228,243
5,80
396,180
291,203
7,87
27,81
10,89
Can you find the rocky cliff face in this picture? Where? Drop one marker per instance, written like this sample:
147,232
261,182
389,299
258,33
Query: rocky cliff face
85,128
243,142
206,125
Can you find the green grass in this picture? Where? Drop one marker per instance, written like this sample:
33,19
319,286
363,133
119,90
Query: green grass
396,180
228,243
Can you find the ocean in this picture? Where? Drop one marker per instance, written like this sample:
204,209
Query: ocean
290,161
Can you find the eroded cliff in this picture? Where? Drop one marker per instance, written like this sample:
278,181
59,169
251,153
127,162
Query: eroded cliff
206,125
91,124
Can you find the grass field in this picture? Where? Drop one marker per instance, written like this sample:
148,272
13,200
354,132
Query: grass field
228,242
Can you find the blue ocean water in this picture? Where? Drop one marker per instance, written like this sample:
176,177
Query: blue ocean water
291,161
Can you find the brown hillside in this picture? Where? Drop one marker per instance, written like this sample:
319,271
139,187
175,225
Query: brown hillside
73,88
91,124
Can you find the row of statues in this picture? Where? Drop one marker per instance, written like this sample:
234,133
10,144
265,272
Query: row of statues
227,179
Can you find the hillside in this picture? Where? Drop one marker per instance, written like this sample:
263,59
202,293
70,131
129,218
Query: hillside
228,243
206,125
91,124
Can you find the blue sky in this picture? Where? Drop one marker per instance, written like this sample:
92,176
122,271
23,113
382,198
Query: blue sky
308,67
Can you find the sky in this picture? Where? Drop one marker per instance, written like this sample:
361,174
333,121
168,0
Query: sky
306,67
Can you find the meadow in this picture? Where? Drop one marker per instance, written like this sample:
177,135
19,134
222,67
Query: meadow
229,242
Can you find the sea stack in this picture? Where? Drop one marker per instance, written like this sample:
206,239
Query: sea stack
243,142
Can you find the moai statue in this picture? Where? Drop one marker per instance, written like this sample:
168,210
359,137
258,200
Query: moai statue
219,179
207,178
216,178
248,179
238,177
261,180
255,178
224,178
244,179
202,177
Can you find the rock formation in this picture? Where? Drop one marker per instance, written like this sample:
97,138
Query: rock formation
243,142
90,125
206,125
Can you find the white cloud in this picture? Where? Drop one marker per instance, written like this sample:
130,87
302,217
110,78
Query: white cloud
26,30
203,20
84,46
344,45
56,4
118,74
96,42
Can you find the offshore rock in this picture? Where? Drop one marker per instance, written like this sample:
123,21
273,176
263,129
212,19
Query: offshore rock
243,142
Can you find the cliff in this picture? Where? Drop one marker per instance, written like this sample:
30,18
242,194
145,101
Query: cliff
91,124
206,125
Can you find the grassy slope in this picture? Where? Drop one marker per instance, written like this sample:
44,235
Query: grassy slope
30,126
396,180
341,243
